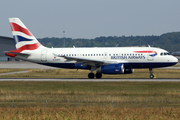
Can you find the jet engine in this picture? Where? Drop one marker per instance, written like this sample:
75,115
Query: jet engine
111,69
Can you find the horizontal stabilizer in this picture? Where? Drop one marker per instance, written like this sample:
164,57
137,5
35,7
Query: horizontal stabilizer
13,54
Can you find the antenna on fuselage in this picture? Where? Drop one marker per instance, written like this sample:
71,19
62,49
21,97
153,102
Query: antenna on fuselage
149,46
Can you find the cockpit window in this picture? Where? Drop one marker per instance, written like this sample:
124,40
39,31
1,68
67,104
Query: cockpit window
165,53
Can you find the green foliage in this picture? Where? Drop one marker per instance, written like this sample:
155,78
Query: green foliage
169,41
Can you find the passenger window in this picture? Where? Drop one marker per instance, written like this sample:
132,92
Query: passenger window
96,54
109,54
99,54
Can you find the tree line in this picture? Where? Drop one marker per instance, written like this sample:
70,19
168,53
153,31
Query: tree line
168,41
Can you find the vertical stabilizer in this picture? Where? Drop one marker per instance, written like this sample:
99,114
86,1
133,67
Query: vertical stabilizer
23,38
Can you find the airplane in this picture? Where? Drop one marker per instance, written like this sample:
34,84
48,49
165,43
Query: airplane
103,60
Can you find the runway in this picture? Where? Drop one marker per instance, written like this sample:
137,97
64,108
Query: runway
93,80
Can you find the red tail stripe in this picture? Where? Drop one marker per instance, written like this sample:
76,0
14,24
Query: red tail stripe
145,52
27,47
16,27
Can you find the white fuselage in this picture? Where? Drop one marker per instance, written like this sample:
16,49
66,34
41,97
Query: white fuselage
132,57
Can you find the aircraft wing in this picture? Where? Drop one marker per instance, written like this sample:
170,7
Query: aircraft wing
87,61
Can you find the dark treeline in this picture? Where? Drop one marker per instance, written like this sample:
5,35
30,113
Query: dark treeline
169,41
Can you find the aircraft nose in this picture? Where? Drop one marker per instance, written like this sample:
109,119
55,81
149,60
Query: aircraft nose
175,59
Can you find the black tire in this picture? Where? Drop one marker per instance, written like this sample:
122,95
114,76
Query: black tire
91,75
151,76
98,75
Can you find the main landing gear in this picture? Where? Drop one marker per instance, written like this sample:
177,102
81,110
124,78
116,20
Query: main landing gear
151,73
91,75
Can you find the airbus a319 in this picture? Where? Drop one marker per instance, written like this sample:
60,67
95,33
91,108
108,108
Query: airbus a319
103,60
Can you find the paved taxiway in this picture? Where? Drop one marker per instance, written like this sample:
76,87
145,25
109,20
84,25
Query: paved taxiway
95,80
24,65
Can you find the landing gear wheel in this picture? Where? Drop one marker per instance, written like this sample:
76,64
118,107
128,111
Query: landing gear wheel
98,75
151,73
91,75
152,76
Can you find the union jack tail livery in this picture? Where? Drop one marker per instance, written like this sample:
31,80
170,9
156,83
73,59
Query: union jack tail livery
24,39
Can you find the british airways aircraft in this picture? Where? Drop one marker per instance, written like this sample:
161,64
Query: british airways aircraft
103,60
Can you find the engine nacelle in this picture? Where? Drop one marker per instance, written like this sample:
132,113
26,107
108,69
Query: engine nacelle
128,71
111,69
81,66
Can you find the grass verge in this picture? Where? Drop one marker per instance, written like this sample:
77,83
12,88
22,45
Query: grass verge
71,73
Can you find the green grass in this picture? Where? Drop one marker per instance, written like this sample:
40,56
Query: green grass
123,94
72,73
90,88
131,94
2,70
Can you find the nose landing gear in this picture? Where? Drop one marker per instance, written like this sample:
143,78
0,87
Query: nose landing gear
151,73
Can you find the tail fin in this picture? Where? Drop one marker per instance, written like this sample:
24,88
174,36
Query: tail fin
23,38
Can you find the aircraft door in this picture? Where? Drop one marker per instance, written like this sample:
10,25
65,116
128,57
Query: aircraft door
150,54
44,55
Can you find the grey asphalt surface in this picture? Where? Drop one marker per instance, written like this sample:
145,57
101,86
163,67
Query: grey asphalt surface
20,64
96,80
